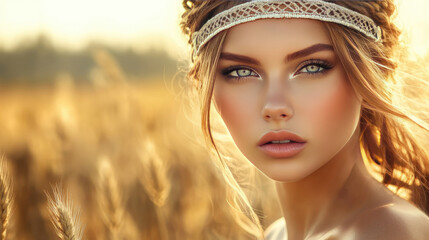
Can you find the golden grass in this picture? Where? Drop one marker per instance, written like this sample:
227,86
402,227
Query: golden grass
5,199
127,155
63,216
110,198
153,176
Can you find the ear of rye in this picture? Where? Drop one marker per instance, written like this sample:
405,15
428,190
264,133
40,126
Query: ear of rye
109,198
64,219
5,199
154,174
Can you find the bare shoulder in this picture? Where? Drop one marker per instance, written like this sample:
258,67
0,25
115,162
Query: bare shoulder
392,221
277,230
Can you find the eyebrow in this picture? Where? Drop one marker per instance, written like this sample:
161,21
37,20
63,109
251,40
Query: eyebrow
310,50
299,54
238,58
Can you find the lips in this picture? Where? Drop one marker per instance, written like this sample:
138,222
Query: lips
281,144
279,136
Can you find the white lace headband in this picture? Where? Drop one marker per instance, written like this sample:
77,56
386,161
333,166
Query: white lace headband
259,9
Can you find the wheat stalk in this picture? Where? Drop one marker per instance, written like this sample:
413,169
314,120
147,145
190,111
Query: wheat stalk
5,199
66,222
155,181
110,198
109,66
154,174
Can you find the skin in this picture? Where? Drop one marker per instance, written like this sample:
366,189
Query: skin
325,191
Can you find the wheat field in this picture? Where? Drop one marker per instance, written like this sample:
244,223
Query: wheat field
121,159
112,159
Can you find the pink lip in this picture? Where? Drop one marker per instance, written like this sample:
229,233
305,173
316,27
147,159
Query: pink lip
279,135
281,150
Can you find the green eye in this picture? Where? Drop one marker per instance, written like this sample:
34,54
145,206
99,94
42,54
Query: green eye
242,73
312,69
314,66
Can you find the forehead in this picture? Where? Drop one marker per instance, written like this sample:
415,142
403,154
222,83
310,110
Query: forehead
280,35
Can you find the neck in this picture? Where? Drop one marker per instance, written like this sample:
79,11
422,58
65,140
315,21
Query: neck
327,198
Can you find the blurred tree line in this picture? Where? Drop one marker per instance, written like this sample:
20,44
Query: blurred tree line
39,62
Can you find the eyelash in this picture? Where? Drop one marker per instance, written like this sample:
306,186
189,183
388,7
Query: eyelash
325,65
229,70
311,62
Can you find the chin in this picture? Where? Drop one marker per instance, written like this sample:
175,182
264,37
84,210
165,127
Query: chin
288,174
286,178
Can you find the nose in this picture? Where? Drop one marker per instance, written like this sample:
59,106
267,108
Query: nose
276,113
277,107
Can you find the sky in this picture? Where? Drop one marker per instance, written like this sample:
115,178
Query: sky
139,24
74,23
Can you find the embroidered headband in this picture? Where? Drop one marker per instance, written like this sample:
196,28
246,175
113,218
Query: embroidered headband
260,9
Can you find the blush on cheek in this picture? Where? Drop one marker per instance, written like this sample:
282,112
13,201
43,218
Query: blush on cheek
334,110
228,106
337,104
235,107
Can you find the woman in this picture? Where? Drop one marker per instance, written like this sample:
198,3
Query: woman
303,87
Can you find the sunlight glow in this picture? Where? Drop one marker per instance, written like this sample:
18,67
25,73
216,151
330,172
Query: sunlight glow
138,23
413,20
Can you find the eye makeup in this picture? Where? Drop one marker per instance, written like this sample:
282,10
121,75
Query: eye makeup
239,73
313,66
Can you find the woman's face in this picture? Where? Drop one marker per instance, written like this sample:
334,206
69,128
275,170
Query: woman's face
282,75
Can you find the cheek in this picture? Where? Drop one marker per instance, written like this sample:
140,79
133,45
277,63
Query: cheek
334,110
234,106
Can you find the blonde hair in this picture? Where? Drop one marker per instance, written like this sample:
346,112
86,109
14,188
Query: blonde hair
387,143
